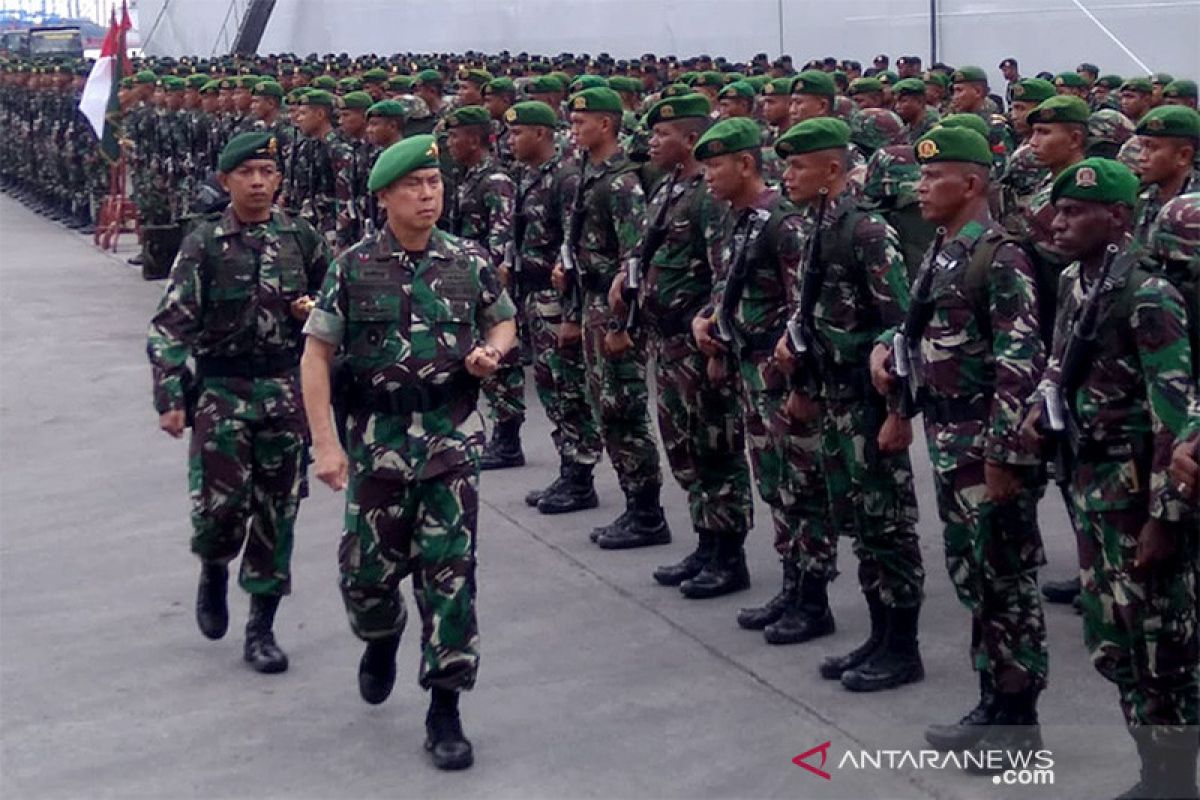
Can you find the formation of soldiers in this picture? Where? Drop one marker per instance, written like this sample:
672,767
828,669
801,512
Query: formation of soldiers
808,260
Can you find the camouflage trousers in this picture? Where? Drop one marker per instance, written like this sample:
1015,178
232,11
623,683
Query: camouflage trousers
872,499
993,554
150,195
617,391
785,461
1140,631
245,471
704,438
426,528
560,378
505,388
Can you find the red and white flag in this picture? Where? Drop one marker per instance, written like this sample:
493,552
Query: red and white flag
100,103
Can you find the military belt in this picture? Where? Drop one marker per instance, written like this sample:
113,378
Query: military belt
950,410
273,366
416,398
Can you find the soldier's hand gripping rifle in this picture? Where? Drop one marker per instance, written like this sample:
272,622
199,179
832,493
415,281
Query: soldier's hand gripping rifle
570,291
1058,400
802,340
905,355
752,221
513,251
655,236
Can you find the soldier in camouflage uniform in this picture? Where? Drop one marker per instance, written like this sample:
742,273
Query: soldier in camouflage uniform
756,262
498,96
351,180
237,296
1175,240
1058,139
1170,137
320,155
422,317
700,420
970,96
1108,131
980,353
890,188
1129,404
776,99
918,117
544,194
603,233
862,298
1024,172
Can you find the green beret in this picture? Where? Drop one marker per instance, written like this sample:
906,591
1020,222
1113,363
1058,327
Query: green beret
1180,88
429,76
468,115
738,90
1178,121
359,101
972,122
814,81
588,82
887,77
759,82
172,84
1142,85
405,156
210,87
1032,90
532,112
937,78
676,90
711,78
1071,80
1060,108
860,85
248,81
693,105
126,82
479,77
1110,81
969,75
961,145
197,80
1097,180
811,135
245,146
544,84
317,97
779,86
688,77
349,84
499,86
601,99
375,75
386,108
620,83
324,82
268,89
227,84
729,136
145,76
909,86
1161,78
400,83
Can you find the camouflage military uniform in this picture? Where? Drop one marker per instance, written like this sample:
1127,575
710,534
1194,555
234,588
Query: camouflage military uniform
980,357
317,195
923,126
1023,176
1150,203
700,422
227,305
1132,405
351,184
407,322
481,209
559,373
890,188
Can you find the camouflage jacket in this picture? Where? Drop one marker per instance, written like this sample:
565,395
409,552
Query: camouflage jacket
1137,389
927,122
229,295
542,205
1035,224
482,207
1022,178
1150,202
408,321
981,345
351,184
891,176
314,188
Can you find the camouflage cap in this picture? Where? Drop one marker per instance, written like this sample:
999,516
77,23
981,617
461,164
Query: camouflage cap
1177,121
466,116
1070,80
873,128
1109,126
728,136
738,90
969,75
1175,235
404,157
813,135
601,99
386,108
357,101
532,112
247,146
1096,180
1060,109
814,82
1180,88
909,87
955,145
972,122
1031,90
687,106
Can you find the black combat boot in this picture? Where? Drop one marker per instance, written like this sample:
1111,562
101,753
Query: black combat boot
261,651
1014,729
1149,766
896,662
724,573
444,739
533,497
576,491
504,450
806,617
968,730
833,667
212,612
645,525
759,617
377,669
692,563
1061,591
1176,773
617,524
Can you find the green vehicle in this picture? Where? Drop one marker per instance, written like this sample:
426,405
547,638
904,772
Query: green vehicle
15,43
56,42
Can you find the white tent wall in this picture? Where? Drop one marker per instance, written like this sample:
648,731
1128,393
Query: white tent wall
1053,35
